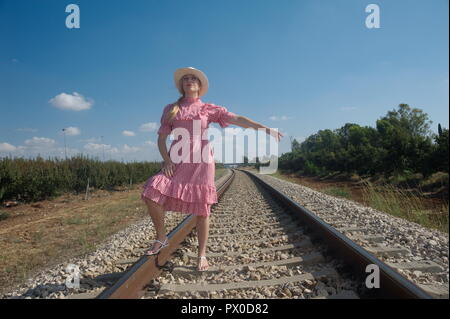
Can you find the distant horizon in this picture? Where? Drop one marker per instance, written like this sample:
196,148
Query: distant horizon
299,66
94,156
264,158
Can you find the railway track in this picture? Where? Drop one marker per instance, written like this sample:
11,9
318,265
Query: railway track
261,245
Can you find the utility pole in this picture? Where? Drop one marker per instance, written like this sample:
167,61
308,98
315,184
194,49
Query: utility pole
65,150
103,148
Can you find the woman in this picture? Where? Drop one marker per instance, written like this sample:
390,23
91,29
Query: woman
187,186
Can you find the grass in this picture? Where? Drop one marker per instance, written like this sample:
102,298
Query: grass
74,221
84,241
338,192
37,236
279,175
436,181
220,172
398,202
4,215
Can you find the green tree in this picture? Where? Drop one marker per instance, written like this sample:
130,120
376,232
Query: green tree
362,150
405,135
295,146
440,155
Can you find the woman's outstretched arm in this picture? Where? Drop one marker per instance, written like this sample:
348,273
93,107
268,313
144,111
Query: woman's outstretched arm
245,122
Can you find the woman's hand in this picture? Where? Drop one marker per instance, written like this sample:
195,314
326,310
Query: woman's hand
168,168
277,135
245,122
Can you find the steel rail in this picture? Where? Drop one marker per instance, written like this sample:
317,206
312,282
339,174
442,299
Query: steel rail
134,282
392,284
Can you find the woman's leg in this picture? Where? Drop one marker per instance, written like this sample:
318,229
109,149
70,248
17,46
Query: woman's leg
157,213
202,233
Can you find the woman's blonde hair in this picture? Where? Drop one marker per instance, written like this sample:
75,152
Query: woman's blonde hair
176,106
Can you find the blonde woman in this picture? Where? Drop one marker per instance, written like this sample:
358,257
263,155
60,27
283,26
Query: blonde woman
186,186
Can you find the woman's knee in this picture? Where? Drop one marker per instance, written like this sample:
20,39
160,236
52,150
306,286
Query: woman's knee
152,204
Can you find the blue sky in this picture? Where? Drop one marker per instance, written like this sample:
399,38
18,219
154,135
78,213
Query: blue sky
297,65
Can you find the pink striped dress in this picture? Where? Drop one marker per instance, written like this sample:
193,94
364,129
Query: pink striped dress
191,189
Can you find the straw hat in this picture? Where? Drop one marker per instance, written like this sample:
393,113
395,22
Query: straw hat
189,70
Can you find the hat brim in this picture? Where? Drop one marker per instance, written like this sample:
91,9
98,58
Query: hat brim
199,74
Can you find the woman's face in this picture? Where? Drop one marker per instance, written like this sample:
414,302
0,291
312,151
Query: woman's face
190,83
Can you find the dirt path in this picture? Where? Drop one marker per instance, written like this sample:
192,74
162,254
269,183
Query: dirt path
27,215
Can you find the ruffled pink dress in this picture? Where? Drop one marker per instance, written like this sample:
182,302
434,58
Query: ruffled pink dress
191,189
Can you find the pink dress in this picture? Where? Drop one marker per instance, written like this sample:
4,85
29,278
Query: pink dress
191,189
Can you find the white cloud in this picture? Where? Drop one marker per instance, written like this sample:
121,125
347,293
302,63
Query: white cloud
94,147
48,148
40,142
130,149
72,131
149,127
75,102
280,118
61,152
100,147
150,143
6,147
128,133
45,147
92,140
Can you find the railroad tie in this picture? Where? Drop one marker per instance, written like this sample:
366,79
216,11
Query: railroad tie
263,226
236,233
235,223
302,244
352,229
275,239
260,218
313,258
166,288
387,251
424,266
437,291
369,238
84,295
344,294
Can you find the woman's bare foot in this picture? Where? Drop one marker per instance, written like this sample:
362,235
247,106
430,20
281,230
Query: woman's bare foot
202,263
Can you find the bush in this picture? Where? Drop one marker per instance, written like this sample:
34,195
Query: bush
311,169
